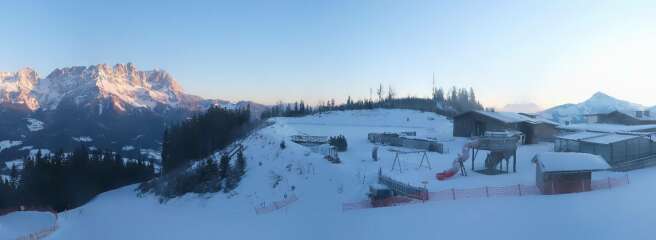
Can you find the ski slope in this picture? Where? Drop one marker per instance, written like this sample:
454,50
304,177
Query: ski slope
322,187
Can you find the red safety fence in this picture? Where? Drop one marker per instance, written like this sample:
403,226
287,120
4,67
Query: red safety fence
489,192
276,205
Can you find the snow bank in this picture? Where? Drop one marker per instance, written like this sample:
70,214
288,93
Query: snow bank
19,224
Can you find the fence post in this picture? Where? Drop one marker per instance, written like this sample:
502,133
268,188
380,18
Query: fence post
487,192
453,193
519,187
627,179
609,184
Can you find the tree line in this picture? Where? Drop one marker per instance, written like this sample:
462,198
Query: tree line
65,181
448,103
201,135
188,151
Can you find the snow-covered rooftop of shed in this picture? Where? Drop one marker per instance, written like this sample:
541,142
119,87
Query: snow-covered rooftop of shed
609,138
570,161
609,128
581,135
511,117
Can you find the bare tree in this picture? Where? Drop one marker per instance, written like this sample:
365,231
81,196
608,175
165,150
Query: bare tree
380,92
390,93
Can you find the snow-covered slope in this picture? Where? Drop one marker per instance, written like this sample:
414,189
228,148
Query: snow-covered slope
19,224
598,103
322,187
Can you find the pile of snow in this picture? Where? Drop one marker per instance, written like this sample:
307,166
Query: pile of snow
83,139
6,144
18,224
34,125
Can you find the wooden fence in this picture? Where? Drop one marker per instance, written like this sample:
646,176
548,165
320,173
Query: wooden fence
276,205
405,189
489,192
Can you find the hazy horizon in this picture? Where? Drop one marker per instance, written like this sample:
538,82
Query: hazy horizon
509,52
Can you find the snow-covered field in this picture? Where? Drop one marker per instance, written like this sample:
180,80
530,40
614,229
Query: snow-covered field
322,187
18,224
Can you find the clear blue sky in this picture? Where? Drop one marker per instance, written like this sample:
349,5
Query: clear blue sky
547,52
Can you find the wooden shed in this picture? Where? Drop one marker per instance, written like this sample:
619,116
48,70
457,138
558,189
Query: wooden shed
476,123
558,173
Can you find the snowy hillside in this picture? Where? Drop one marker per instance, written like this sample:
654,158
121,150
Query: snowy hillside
598,103
321,187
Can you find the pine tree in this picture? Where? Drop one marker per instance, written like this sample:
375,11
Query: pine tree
224,166
240,165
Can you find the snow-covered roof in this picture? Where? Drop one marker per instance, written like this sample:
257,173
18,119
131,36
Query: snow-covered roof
609,138
608,128
511,117
569,161
600,138
581,135
648,116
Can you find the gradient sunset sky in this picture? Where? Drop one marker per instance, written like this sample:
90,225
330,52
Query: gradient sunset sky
546,52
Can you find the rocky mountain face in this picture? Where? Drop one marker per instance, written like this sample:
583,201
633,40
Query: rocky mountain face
118,107
598,103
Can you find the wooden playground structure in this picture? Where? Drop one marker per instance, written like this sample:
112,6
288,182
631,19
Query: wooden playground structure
501,147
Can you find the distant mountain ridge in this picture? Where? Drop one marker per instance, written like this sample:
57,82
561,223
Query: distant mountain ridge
109,107
598,103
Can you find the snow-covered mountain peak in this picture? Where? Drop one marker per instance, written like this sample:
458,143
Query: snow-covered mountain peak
123,84
16,88
598,103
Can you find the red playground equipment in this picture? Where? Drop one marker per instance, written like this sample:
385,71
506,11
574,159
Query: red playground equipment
458,163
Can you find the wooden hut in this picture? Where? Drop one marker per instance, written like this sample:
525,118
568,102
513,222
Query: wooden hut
558,173
476,123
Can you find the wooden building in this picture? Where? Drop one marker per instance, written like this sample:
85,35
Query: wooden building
615,148
558,173
408,140
533,128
